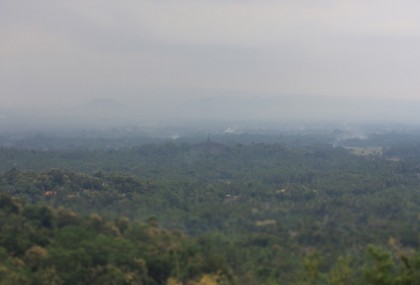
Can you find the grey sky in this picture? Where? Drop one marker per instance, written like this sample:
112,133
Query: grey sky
68,51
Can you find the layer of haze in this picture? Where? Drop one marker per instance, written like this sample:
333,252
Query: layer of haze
155,54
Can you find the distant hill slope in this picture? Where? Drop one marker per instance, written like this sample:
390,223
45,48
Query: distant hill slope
303,108
102,107
222,111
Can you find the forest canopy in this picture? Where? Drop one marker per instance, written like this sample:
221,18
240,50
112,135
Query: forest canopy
209,212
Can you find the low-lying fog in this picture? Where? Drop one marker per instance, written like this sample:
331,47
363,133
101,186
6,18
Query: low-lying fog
230,111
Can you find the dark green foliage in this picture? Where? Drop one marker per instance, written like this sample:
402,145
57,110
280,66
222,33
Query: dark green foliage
264,213
93,250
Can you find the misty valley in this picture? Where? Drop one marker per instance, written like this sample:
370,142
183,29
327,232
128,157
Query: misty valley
321,206
207,142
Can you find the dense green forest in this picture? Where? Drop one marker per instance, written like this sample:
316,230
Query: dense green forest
296,212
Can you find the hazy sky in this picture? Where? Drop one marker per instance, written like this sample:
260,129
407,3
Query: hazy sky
69,51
